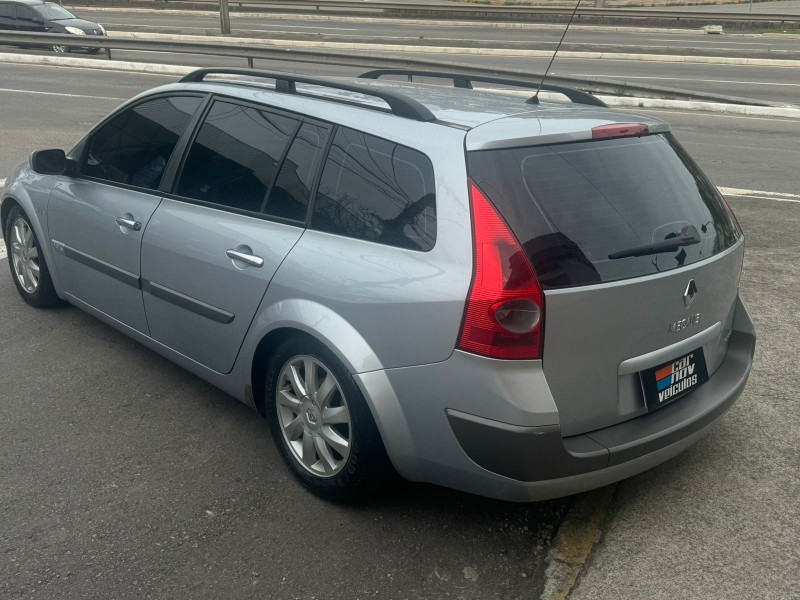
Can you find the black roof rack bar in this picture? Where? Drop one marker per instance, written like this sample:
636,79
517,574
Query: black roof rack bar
465,81
400,104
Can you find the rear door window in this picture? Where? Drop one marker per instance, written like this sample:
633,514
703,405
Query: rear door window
372,189
27,16
134,147
290,194
574,206
235,156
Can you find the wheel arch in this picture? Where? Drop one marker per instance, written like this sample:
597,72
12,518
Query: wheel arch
7,204
298,317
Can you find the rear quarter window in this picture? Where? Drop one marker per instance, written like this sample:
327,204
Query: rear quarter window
372,189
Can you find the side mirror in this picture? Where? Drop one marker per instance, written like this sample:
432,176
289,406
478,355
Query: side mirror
49,162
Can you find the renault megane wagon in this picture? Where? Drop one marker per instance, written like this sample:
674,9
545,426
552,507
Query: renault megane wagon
517,299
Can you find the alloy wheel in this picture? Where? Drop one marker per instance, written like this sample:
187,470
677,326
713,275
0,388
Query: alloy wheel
25,255
59,49
314,416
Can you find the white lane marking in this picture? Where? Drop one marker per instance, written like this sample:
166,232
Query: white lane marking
765,42
2,242
758,148
760,195
682,79
12,91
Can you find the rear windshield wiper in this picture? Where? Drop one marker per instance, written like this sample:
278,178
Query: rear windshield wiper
688,236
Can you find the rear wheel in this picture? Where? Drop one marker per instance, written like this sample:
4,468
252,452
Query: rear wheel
28,267
321,423
59,49
93,50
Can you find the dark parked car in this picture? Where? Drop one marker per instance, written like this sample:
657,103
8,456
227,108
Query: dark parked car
46,17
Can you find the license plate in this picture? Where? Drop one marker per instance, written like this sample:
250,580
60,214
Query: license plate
673,379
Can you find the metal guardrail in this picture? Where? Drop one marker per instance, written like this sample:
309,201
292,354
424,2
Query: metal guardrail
252,52
482,11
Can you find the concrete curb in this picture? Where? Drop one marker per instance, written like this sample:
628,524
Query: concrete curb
788,112
89,63
401,21
617,101
574,541
404,48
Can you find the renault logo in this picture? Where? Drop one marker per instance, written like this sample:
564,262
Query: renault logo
690,293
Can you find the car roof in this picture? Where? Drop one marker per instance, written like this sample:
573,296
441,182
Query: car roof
489,115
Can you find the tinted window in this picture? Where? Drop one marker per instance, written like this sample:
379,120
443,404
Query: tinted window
375,190
27,14
290,194
6,11
573,206
54,12
135,146
235,156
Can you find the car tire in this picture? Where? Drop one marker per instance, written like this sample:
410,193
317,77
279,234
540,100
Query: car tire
93,50
312,422
59,49
28,267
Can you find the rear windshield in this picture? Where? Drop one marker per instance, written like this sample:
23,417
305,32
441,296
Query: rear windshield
574,206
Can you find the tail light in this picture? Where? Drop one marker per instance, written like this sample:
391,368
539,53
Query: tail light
505,310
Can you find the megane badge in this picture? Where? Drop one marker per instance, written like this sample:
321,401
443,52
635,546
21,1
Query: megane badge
690,293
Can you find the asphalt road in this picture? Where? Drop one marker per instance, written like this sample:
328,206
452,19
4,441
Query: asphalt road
474,33
781,7
124,476
779,84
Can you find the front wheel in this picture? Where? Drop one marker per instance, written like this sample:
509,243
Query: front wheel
28,267
321,423
59,49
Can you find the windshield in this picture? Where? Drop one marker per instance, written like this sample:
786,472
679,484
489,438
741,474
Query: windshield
53,12
598,211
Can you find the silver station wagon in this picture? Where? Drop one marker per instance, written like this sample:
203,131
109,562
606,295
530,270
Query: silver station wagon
518,299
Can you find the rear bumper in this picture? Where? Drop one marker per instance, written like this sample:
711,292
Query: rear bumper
497,447
427,416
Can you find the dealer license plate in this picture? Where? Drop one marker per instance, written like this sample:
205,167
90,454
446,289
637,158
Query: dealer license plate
672,380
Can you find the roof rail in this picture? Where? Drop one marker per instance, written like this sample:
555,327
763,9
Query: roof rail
465,81
400,104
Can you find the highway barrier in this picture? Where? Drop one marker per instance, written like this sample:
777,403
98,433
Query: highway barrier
482,12
365,60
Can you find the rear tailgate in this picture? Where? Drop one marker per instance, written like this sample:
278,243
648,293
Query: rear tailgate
596,219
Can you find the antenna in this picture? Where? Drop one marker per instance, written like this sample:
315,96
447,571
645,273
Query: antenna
535,99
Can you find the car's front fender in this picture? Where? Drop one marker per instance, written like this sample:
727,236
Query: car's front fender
31,191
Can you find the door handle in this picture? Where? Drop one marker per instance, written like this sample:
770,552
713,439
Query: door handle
249,259
129,223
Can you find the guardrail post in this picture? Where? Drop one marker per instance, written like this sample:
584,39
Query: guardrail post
250,62
108,53
224,17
